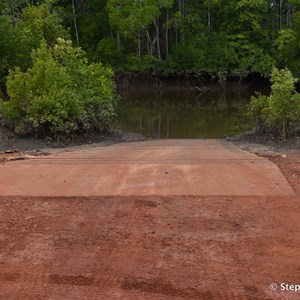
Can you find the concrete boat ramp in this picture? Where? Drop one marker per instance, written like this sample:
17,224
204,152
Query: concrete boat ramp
160,167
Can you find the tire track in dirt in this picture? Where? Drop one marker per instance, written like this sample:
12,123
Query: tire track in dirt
148,247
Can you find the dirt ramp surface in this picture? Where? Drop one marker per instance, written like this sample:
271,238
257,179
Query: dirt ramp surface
135,236
164,167
208,248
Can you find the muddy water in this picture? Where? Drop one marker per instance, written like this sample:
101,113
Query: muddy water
185,113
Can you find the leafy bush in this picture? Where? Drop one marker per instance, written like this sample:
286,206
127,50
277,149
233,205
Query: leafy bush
60,94
258,110
35,24
280,112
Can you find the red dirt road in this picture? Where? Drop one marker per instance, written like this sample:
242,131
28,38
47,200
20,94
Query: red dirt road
149,247
213,248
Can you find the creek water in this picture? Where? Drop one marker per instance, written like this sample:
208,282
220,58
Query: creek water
185,113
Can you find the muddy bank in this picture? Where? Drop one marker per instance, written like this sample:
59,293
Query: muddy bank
9,140
266,144
180,79
285,154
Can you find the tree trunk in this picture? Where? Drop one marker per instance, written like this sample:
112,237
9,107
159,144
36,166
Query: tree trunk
149,48
118,40
167,35
181,7
156,24
176,33
208,18
280,14
284,128
289,17
182,16
75,22
182,12
12,12
139,45
150,43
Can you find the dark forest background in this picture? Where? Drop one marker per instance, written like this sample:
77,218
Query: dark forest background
233,38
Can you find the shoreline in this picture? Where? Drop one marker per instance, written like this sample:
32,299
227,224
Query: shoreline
249,141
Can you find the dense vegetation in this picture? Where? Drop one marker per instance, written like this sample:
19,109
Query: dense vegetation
280,112
223,38
60,93
53,90
214,38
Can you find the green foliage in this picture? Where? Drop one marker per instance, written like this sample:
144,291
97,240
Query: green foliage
183,57
236,37
281,110
108,51
42,23
131,16
60,94
146,63
288,47
198,56
8,44
20,36
239,37
37,24
246,57
258,110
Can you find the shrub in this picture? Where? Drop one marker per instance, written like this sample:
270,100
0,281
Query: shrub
60,94
258,110
280,112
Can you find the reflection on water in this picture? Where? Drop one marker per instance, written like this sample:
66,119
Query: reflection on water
185,113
